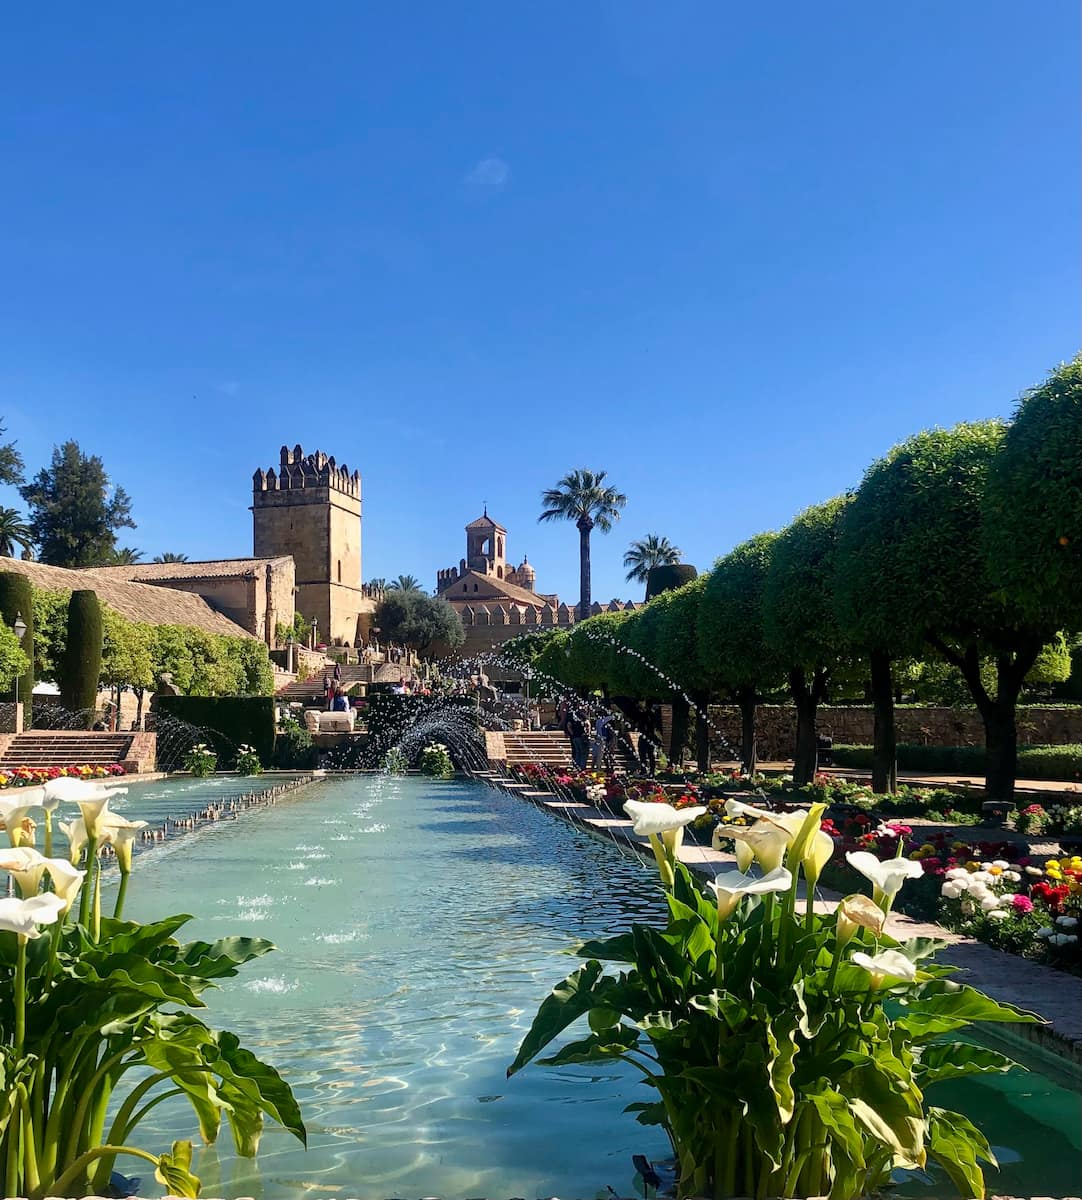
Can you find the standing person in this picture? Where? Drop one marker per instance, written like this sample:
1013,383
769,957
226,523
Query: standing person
337,672
328,691
601,735
580,745
611,736
562,710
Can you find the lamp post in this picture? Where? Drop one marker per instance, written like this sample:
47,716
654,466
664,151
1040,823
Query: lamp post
315,636
19,626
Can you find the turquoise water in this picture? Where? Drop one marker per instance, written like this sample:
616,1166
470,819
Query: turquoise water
419,926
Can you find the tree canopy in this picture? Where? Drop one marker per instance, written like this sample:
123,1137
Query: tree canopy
75,511
418,620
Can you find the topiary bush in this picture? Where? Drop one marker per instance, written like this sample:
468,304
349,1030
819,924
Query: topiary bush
1034,762
81,667
668,577
17,600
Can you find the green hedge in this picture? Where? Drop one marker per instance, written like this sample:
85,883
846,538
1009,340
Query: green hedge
1034,762
227,721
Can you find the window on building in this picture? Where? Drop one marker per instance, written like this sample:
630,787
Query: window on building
339,570
475,587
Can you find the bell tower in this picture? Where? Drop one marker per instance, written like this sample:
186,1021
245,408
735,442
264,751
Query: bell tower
310,510
486,547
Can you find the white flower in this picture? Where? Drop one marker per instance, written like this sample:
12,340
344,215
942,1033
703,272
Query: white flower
957,873
66,880
122,834
731,886
764,841
26,866
1011,877
989,903
856,912
15,809
887,964
1002,863
968,908
981,877
24,916
75,832
1033,870
651,819
1066,922
997,914
886,877
951,890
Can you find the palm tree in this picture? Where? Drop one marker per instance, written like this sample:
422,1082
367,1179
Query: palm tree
649,552
583,497
405,583
378,585
125,557
170,557
14,531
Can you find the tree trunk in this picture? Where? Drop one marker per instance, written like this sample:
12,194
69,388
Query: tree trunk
884,751
998,713
702,730
806,699
679,734
584,527
749,757
140,693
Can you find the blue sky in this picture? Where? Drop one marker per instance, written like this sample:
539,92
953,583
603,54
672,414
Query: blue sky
729,253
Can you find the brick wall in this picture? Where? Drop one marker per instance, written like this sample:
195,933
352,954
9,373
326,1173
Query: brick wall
776,726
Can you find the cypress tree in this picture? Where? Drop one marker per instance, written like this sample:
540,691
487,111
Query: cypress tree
82,656
17,600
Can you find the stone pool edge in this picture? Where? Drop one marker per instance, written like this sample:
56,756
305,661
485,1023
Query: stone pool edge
1056,996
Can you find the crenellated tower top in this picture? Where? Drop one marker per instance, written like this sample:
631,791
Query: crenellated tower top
298,470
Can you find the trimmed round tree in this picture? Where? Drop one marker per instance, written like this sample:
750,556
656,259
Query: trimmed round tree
1033,505
930,576
667,577
679,659
731,641
17,601
799,621
81,669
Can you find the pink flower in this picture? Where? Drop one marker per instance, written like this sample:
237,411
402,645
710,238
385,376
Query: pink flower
1022,904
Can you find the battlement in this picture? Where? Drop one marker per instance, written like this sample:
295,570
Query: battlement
298,471
547,618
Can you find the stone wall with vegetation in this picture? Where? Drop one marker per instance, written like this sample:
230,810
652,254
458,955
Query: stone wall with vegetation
917,725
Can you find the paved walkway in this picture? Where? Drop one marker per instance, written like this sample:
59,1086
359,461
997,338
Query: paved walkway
1054,995
929,779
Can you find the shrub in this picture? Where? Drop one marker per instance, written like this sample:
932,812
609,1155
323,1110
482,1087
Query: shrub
17,600
294,749
82,655
201,761
248,761
436,761
395,762
227,721
1034,762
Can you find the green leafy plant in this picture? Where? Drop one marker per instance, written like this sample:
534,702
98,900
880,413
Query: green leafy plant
436,761
395,762
790,1051
248,761
96,1021
200,761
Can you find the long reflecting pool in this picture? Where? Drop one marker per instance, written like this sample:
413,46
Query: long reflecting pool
419,926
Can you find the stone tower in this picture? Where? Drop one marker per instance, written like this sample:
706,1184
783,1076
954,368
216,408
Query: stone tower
486,546
311,509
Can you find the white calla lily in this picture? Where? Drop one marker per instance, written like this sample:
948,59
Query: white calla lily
23,917
121,833
766,841
887,964
15,809
75,832
730,887
886,876
664,826
26,866
67,880
70,788
858,912
745,856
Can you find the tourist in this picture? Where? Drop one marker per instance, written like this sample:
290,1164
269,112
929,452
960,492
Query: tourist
328,691
340,702
580,745
601,737
337,672
562,710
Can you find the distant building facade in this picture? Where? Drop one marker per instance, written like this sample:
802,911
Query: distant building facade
497,602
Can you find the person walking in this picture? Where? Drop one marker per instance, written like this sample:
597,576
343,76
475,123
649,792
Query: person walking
580,745
601,737
337,672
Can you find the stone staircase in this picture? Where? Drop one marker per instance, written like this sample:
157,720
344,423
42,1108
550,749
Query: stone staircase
310,691
65,748
547,746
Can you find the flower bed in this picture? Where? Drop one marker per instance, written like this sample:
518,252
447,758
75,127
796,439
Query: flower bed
1056,819
35,776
